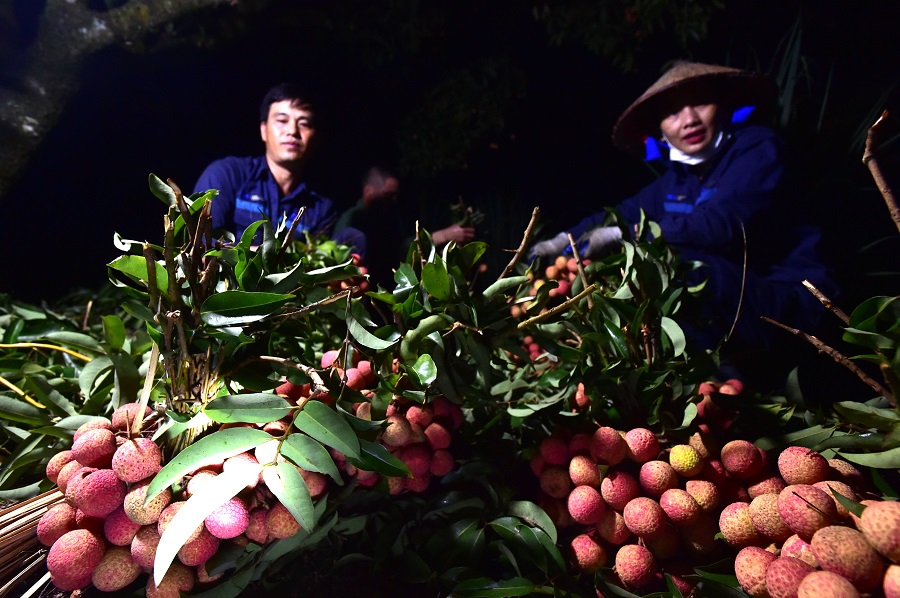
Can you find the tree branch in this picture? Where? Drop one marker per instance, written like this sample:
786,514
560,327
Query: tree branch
870,161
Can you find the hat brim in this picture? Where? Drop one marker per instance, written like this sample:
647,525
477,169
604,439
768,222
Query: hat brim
735,88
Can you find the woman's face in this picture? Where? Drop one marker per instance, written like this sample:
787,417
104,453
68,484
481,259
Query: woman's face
689,125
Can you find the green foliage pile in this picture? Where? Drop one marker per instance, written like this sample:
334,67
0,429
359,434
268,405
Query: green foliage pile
205,330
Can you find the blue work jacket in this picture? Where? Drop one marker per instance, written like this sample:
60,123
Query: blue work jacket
248,192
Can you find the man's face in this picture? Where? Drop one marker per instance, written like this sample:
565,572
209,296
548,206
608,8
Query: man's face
384,196
689,123
288,133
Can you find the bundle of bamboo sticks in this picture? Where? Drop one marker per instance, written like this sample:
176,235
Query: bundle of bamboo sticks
21,555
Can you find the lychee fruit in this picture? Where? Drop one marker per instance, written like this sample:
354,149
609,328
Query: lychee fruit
143,547
95,423
891,585
95,448
115,571
783,576
177,580
442,463
555,482
438,436
618,488
57,521
420,415
641,445
880,523
644,517
397,431
765,484
656,477
704,492
554,450
256,527
685,460
699,538
679,506
799,548
137,459
830,487
663,545
56,463
579,444
100,493
229,520
765,518
635,565
589,556
750,568
417,458
607,446
825,584
584,472
118,529
168,514
585,505
280,523
140,513
806,509
124,415
737,527
800,465
844,471
845,551
741,459
199,550
612,528
705,445
73,558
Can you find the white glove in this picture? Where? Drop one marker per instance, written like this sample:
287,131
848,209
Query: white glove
602,239
550,247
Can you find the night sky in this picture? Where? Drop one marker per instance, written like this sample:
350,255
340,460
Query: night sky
173,111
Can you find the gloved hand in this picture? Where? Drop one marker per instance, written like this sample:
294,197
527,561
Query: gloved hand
549,248
602,239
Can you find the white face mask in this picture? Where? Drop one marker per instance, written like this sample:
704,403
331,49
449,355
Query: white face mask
676,155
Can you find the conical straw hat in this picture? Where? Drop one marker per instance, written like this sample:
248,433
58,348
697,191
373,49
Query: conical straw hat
733,85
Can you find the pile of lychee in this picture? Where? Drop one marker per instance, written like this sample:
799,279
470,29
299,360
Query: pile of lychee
647,508
418,434
103,533
563,271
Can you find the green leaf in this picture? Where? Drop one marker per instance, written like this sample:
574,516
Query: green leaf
256,408
305,452
161,190
488,588
425,370
288,486
325,425
366,338
436,280
75,340
504,284
190,516
376,457
675,334
19,411
240,304
889,459
114,331
534,516
868,416
135,267
206,451
849,504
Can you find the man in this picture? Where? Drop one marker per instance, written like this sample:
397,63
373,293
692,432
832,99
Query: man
272,186
379,232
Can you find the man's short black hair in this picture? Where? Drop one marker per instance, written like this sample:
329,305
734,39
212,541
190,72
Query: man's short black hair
286,91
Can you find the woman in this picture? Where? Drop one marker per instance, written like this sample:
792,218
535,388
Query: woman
717,202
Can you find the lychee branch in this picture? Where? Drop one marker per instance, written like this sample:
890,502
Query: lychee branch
869,160
318,385
290,234
577,257
824,300
558,309
526,238
838,357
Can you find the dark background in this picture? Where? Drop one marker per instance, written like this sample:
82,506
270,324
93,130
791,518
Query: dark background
172,111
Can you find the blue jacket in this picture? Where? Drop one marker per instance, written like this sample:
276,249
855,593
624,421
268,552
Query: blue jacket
248,192
706,217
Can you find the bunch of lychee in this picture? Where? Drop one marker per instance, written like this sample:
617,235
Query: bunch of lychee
417,434
563,271
649,508
103,533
